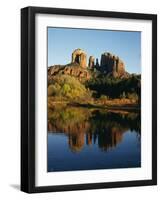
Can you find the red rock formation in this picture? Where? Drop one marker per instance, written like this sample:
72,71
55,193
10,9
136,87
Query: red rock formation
109,64
79,57
70,69
112,64
91,62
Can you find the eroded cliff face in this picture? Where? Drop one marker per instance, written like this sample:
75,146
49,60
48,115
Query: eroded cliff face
72,69
91,63
110,65
79,57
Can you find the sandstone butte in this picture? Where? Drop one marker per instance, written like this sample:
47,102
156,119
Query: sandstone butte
110,65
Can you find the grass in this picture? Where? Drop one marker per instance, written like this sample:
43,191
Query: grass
114,104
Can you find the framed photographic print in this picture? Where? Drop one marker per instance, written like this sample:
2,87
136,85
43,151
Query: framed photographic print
88,99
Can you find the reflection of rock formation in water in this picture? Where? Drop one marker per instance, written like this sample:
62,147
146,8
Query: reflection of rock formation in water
89,138
110,138
84,126
76,141
107,140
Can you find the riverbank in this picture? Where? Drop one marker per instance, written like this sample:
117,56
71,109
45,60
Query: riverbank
115,104
130,107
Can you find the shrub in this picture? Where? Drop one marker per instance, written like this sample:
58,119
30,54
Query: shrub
68,87
54,89
133,97
103,98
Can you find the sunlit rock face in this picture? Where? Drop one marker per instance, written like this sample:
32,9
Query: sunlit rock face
91,62
79,57
72,69
77,67
109,64
112,64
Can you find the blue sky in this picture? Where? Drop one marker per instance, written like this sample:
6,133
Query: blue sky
63,41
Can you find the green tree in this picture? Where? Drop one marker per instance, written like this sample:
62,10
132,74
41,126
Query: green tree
68,87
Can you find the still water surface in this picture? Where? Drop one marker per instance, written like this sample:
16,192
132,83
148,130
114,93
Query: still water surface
86,139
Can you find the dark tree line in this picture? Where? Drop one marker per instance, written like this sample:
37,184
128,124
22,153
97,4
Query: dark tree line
114,87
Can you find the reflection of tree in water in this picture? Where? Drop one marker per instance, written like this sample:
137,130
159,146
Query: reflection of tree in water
83,125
